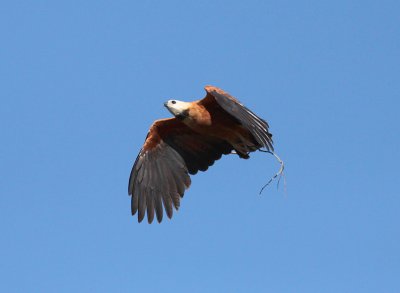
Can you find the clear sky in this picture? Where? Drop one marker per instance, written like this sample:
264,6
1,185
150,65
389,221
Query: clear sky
81,82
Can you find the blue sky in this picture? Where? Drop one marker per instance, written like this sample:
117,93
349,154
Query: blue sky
82,82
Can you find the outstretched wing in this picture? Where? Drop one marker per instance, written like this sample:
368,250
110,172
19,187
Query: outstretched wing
256,125
160,174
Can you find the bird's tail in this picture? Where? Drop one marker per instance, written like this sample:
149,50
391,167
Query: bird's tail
277,174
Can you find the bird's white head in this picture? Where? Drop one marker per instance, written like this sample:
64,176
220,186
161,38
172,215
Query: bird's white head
177,108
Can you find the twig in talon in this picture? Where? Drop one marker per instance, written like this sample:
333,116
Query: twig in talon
279,173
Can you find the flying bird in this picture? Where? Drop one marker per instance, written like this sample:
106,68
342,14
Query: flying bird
199,134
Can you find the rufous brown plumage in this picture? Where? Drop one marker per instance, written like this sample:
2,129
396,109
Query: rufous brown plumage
199,134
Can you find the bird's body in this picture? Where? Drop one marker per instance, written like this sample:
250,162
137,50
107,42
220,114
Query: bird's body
211,120
200,133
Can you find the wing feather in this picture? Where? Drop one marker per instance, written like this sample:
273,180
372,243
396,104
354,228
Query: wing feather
256,125
142,204
160,174
150,209
134,204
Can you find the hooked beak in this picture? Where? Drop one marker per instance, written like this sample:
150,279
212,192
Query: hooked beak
165,104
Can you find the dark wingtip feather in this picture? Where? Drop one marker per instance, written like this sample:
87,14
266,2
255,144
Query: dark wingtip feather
142,207
159,208
134,204
167,201
150,210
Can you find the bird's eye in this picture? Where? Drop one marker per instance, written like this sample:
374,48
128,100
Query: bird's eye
173,102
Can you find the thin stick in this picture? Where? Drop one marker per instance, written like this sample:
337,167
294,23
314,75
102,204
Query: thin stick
279,173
